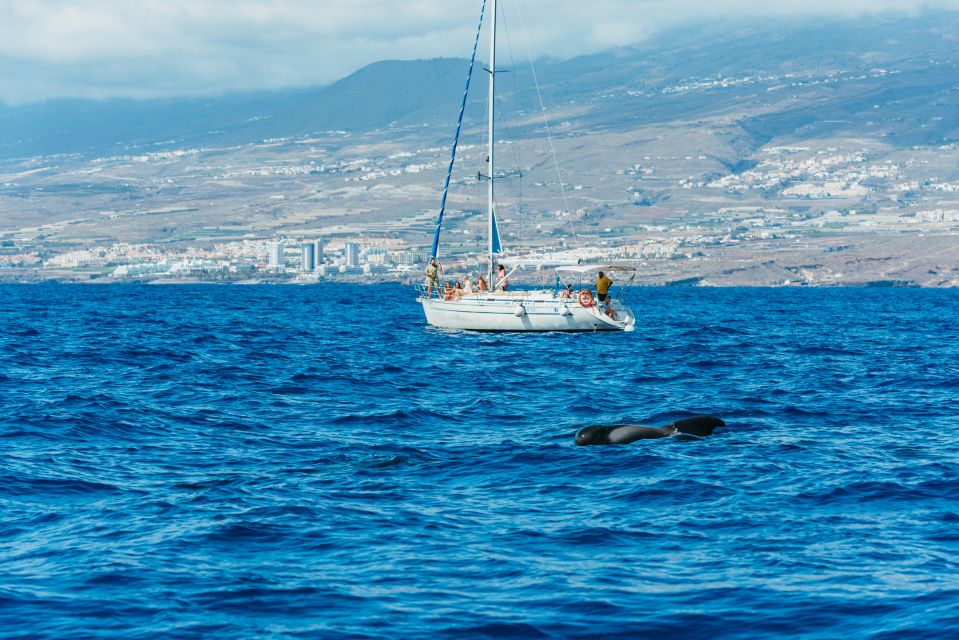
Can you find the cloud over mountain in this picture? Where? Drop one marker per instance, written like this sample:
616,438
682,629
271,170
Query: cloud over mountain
87,49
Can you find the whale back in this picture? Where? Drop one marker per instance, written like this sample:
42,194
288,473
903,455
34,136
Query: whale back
593,435
619,434
700,426
633,432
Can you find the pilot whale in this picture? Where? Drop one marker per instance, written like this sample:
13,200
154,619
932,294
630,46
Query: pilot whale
701,426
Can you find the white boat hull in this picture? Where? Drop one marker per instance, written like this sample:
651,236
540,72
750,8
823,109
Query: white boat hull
523,311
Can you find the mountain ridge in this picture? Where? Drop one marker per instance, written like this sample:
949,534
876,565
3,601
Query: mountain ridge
395,93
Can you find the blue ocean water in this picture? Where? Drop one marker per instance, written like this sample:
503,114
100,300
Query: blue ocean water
235,462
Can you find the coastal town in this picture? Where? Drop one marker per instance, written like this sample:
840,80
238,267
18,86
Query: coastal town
797,214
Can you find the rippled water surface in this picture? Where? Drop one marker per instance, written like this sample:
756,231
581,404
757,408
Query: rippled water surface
231,462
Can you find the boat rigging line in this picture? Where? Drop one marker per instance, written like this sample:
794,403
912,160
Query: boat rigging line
549,135
456,137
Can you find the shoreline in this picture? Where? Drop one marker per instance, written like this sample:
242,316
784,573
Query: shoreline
680,283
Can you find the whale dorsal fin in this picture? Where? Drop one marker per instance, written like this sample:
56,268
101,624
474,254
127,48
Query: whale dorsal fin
701,426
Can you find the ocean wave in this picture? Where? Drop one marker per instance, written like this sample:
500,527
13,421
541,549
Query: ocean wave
28,487
232,462
396,416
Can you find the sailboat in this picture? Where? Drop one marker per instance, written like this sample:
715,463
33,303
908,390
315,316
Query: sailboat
561,309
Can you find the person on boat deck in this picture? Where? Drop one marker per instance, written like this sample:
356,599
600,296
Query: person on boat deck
502,284
568,293
457,290
467,286
481,283
432,271
447,291
603,283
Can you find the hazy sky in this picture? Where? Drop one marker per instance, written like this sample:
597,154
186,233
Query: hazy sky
147,48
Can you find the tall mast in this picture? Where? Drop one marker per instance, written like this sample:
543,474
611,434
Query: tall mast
492,129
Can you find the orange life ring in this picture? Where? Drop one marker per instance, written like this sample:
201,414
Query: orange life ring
585,298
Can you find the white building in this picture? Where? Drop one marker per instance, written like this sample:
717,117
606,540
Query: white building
306,258
351,252
318,253
277,259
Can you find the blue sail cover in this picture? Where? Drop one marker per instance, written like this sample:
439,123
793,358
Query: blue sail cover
495,247
456,138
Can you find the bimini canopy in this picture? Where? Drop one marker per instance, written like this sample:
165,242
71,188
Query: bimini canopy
580,269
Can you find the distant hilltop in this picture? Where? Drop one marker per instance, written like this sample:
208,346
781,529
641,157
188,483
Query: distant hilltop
677,75
375,96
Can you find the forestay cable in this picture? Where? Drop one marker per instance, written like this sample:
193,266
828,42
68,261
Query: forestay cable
456,137
549,135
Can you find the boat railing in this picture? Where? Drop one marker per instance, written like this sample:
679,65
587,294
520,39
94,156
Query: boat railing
535,296
421,289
